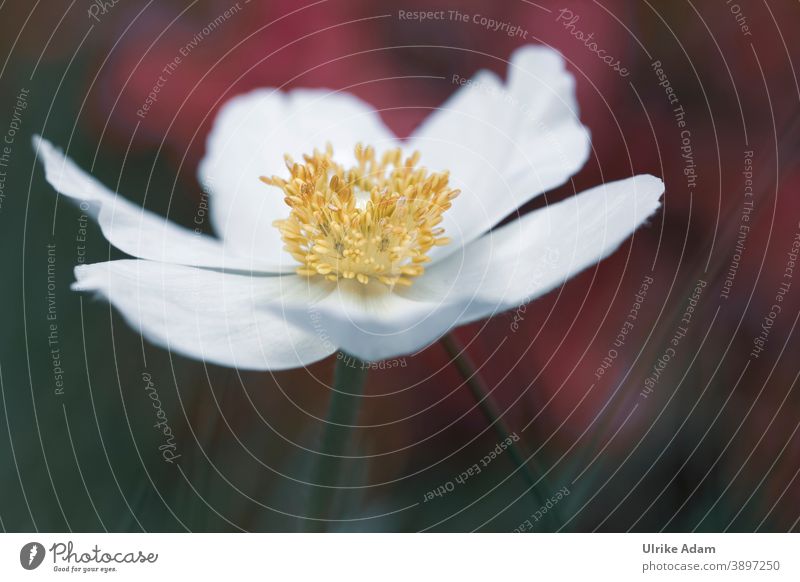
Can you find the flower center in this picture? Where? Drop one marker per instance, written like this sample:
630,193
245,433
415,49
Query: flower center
375,221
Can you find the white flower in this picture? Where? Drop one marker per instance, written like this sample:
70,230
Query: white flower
376,279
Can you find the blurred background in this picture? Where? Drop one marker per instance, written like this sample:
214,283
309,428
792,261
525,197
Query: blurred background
622,439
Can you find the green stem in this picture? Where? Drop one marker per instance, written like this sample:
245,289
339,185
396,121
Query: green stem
480,392
348,385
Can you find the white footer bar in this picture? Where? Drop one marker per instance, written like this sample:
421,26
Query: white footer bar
379,557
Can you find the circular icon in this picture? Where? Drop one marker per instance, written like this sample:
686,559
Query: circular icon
31,555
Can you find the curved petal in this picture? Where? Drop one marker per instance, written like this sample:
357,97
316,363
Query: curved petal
503,269
504,144
132,229
216,317
372,322
250,137
535,254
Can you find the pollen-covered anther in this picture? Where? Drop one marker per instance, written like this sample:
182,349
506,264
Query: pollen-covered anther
376,221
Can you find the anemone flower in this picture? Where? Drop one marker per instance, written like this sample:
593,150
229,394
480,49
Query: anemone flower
336,235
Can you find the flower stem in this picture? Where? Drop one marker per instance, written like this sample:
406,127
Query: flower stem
480,392
348,385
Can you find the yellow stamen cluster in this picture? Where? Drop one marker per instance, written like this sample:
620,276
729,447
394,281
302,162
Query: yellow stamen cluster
374,221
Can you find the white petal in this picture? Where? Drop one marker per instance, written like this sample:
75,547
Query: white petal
537,253
537,76
504,145
221,318
132,229
512,265
371,322
500,271
250,137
